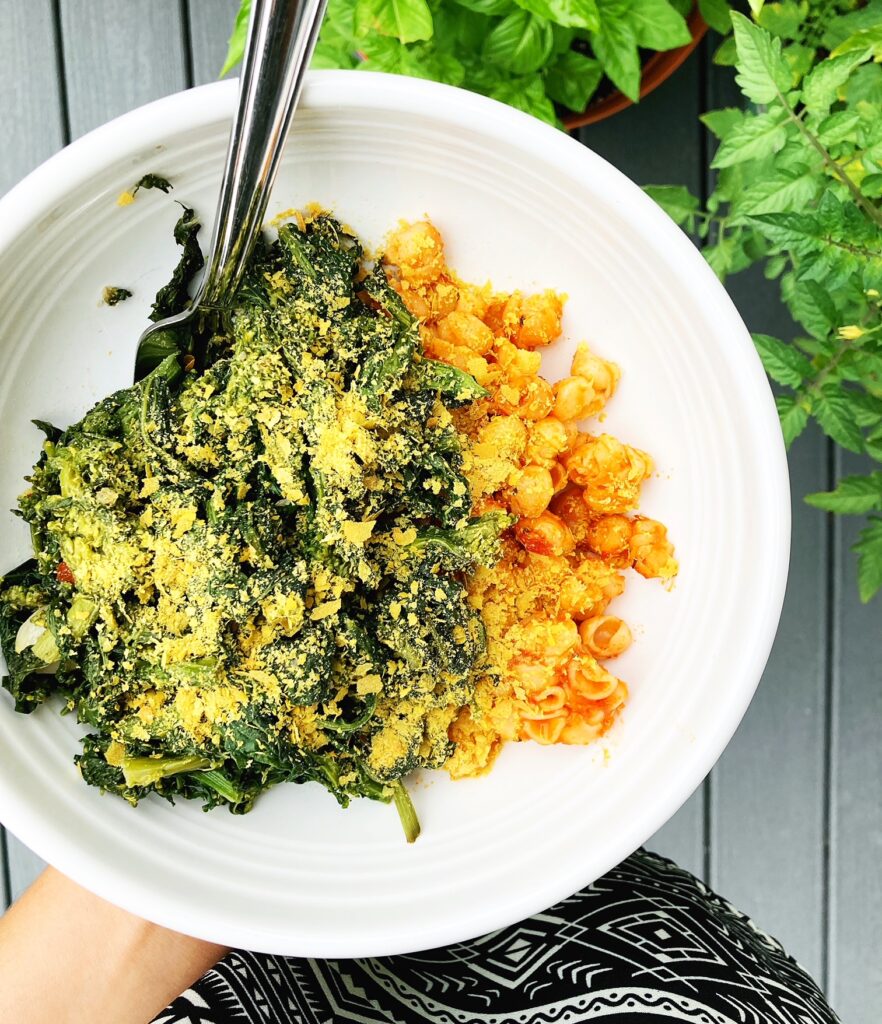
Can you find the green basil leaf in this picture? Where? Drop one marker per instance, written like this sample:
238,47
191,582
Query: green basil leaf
569,13
408,21
520,43
526,93
763,73
657,26
717,14
489,7
616,48
572,79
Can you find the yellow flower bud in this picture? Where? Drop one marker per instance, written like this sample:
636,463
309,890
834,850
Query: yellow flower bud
851,333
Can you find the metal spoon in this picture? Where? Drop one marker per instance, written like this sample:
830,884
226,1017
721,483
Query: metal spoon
281,37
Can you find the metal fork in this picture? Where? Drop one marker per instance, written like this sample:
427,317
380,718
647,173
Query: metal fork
281,37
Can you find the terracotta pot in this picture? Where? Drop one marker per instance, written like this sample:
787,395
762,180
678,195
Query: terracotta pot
656,70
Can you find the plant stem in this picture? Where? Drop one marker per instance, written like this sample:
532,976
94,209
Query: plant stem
831,164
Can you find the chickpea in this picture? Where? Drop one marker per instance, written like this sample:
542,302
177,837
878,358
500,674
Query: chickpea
548,438
574,512
610,537
532,321
573,399
466,330
418,252
456,355
532,491
519,367
474,300
507,435
536,400
427,302
603,376
610,472
651,551
545,535
605,636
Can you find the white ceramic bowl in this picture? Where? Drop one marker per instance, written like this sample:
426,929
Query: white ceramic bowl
526,206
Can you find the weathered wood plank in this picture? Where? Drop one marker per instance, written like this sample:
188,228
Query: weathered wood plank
210,28
118,55
855,920
32,121
658,142
767,813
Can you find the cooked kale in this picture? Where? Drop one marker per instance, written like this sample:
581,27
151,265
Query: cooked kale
251,568
153,181
112,295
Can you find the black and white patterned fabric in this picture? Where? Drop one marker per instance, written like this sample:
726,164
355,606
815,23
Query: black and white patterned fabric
648,941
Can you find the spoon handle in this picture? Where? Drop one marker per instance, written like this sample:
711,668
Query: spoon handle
281,37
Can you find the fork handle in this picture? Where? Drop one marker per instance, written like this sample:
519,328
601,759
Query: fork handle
281,37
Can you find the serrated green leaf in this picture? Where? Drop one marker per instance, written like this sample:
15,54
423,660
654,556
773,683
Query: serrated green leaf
869,552
793,417
822,84
786,20
838,127
811,306
615,45
569,13
755,137
520,43
657,26
834,412
572,79
865,85
720,122
853,496
782,362
763,74
717,14
779,191
865,39
677,202
871,185
408,21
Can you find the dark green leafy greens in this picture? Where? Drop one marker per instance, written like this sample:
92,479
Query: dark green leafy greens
254,570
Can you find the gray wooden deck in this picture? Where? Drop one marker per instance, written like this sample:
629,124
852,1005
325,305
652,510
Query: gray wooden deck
789,824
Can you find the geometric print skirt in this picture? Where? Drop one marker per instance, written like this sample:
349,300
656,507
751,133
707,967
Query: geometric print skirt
647,942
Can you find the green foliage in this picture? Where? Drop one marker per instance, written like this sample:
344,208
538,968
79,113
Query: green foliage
541,56
798,189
